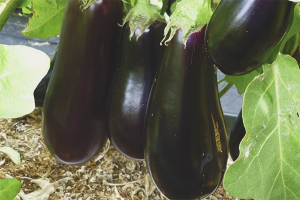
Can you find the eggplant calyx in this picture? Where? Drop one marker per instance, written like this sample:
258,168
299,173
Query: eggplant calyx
141,16
190,16
85,4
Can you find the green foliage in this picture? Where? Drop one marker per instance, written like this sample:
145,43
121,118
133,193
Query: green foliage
241,82
26,10
52,2
47,19
133,2
9,188
2,1
291,45
268,166
19,77
173,6
25,3
293,29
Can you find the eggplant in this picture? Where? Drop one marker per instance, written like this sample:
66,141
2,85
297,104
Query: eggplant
137,63
74,123
241,35
186,140
40,91
235,137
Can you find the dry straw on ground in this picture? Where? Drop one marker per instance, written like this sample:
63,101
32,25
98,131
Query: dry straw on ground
109,175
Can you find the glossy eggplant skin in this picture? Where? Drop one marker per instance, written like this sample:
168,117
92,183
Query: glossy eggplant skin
241,35
235,137
137,63
40,91
186,139
74,125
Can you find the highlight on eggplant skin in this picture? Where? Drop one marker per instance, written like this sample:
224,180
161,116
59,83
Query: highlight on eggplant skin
186,140
137,64
242,34
74,126
235,137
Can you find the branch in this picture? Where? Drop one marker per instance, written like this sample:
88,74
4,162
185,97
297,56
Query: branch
8,10
225,89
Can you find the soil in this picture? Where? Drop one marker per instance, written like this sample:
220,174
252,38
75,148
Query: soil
109,175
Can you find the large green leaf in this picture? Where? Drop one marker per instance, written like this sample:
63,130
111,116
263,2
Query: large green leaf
46,20
268,166
9,188
241,82
21,69
25,3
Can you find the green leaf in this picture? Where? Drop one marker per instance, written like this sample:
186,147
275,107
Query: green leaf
291,45
9,188
14,155
241,82
133,2
46,20
25,3
173,6
227,78
53,2
26,10
2,1
268,165
294,28
21,69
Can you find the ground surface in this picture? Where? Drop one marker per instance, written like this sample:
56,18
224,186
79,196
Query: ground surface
109,175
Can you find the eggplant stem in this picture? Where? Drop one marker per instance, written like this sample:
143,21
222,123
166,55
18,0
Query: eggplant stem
225,89
7,12
221,80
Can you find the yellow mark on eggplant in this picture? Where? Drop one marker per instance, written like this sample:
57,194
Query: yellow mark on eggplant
217,135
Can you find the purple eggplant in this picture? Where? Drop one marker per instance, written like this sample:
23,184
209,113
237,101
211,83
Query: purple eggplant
242,34
186,139
138,61
74,123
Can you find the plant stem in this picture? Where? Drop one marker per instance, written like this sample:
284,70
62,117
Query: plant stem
164,7
145,2
221,80
8,10
225,89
